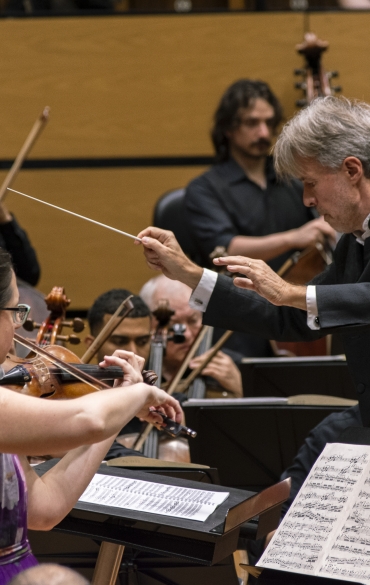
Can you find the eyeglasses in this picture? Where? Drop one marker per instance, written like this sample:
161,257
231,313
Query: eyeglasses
19,313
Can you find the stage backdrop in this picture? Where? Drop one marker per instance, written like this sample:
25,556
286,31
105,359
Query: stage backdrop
130,87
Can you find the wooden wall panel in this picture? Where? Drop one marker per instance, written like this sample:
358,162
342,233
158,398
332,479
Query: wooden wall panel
137,86
85,258
348,34
134,86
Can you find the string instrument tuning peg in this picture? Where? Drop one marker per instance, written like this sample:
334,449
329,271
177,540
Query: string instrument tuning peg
31,325
332,74
72,339
299,72
337,88
301,103
301,85
77,324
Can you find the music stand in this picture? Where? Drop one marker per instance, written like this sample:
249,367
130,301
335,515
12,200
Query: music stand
250,443
284,377
193,543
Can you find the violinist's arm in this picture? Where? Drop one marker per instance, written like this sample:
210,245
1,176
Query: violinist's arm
5,216
53,495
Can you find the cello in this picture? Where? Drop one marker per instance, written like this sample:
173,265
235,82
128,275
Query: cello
301,267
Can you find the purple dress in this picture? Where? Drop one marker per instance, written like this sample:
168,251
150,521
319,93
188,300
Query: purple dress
15,551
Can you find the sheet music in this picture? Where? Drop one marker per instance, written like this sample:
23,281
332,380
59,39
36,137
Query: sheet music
155,498
326,531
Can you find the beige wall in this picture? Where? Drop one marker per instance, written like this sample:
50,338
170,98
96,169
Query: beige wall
137,86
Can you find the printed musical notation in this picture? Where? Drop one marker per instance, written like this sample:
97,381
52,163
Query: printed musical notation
326,532
155,498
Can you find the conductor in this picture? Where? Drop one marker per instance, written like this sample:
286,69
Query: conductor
327,146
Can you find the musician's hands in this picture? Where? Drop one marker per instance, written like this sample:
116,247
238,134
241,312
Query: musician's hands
311,233
223,369
162,252
130,363
261,279
159,400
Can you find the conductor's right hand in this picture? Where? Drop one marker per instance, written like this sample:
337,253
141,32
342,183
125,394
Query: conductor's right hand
163,252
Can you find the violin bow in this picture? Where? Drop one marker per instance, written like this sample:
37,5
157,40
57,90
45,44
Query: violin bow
108,329
197,371
35,132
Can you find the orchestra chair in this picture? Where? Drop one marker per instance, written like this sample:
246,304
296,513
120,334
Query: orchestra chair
170,214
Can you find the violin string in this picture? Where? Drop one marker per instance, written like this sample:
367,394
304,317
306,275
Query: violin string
77,215
55,361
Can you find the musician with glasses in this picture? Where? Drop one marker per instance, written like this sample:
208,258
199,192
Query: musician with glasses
84,427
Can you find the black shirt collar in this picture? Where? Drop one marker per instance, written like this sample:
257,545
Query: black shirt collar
233,173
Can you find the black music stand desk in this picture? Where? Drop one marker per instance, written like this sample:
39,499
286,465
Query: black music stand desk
201,542
251,441
284,377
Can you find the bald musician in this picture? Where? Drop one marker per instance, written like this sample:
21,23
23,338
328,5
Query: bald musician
134,333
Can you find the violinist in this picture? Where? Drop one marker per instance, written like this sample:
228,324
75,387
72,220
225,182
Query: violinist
15,240
85,427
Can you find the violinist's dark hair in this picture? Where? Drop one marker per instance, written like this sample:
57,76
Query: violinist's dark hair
240,94
6,271
109,302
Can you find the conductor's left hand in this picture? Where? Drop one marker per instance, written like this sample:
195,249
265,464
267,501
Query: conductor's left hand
260,278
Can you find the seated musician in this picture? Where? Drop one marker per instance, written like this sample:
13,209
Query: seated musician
223,375
134,333
85,427
15,240
239,203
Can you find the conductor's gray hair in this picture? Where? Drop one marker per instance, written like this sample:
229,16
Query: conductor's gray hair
329,130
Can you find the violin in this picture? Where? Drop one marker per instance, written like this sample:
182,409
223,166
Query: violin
46,375
55,372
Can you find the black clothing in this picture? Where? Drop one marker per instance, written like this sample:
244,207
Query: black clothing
15,241
224,203
328,431
343,300
117,450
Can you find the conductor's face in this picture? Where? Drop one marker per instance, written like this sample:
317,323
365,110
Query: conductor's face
253,135
336,194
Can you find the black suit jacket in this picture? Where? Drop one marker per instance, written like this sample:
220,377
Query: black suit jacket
343,299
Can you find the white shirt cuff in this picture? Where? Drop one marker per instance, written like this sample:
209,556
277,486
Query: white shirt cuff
200,296
312,310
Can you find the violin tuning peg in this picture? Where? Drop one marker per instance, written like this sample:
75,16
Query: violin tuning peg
74,340
78,325
30,325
